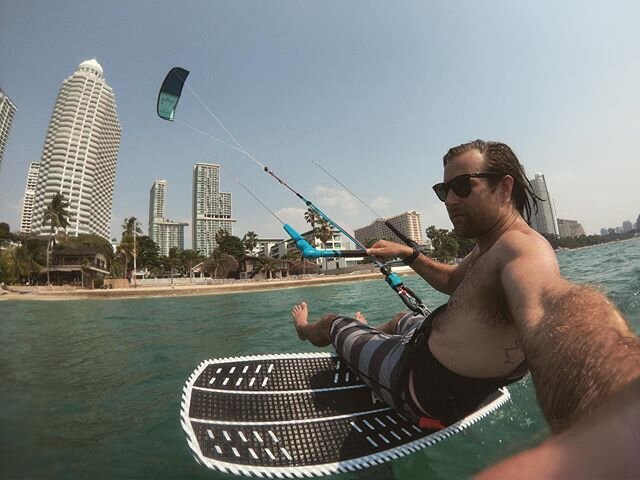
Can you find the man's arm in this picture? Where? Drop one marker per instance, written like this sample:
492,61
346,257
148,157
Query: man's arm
439,275
602,445
580,350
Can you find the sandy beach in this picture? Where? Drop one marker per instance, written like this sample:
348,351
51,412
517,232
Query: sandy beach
67,293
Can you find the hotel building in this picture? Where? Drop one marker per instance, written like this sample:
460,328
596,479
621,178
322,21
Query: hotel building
7,112
211,208
80,153
166,233
29,196
408,223
545,220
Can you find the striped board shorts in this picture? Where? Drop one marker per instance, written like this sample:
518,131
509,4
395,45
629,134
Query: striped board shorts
377,357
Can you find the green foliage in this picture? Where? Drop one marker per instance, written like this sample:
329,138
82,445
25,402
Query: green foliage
85,240
232,245
220,264
268,266
148,254
447,246
323,231
586,240
250,241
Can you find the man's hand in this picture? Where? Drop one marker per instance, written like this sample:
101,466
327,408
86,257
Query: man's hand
385,249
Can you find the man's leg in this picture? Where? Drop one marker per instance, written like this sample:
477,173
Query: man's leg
318,332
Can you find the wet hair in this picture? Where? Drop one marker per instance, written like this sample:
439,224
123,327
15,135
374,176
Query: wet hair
500,158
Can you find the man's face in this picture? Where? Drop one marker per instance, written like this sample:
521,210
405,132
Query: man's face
474,215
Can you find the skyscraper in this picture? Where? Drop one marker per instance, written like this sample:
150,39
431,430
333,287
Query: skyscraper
166,233
545,220
80,153
407,223
211,208
29,195
7,112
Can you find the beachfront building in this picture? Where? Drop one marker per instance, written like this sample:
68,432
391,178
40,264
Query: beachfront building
408,223
29,196
166,233
569,228
80,154
211,208
545,220
7,112
264,246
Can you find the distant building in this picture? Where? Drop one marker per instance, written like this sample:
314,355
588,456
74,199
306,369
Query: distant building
29,195
211,208
80,154
604,232
166,233
627,226
264,245
408,223
7,112
545,220
569,228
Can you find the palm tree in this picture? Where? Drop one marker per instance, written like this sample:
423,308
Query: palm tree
312,217
324,232
126,249
268,266
220,236
57,215
250,241
219,263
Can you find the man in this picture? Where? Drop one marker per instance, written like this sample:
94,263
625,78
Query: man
507,302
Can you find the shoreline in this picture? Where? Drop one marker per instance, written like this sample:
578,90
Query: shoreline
43,293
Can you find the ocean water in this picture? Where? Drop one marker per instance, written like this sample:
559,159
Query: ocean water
91,389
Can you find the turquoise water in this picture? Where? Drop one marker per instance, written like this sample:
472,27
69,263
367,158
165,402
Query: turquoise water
91,389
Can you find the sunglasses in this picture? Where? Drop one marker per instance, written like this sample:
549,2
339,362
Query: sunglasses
461,185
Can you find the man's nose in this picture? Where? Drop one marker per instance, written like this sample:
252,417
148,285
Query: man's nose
451,198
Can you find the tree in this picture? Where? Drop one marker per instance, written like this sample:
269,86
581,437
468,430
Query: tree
312,217
221,235
324,232
130,231
445,244
174,260
233,246
219,263
57,216
148,253
89,240
250,241
189,259
268,266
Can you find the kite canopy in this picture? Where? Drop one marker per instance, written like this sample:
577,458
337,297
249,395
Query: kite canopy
170,92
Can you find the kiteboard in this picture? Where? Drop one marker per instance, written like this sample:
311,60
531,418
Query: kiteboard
298,415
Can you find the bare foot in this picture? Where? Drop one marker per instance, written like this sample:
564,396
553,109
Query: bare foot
300,314
361,318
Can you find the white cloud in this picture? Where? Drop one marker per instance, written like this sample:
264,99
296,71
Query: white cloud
294,217
334,197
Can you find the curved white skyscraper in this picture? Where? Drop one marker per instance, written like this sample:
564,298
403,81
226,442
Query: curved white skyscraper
80,153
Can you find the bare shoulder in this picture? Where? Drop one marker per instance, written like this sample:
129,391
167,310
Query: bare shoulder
525,245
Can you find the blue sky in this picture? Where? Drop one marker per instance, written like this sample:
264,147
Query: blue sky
376,92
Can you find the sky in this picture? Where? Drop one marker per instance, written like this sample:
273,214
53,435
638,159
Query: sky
375,92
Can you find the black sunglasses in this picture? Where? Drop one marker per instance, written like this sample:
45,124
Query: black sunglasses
461,185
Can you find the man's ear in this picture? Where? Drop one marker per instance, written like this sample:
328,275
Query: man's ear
505,187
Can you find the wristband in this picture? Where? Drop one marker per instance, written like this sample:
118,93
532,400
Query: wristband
409,260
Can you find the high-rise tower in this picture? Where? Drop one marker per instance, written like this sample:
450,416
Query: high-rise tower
211,208
545,220
29,195
166,233
7,112
80,153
